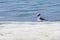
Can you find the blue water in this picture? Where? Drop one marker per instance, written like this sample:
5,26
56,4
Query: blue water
27,10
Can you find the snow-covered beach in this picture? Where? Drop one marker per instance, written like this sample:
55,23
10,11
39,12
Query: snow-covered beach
30,31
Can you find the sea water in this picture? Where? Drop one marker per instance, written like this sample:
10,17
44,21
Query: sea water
27,10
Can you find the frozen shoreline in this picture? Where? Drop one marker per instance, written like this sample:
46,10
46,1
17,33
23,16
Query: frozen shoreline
30,31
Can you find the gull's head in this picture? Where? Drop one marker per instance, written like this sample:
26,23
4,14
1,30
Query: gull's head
38,14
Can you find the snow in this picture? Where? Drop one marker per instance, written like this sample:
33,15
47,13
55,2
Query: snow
30,31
